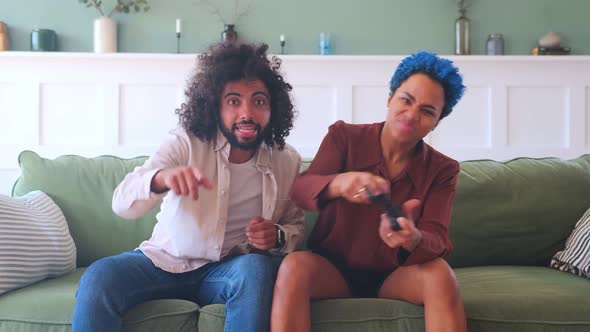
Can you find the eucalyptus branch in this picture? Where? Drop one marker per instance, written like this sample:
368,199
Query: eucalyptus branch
237,13
93,3
213,10
113,10
117,8
123,6
243,12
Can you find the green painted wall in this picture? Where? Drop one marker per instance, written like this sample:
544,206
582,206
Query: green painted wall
365,27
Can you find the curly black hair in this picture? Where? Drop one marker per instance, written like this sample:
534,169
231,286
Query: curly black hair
224,63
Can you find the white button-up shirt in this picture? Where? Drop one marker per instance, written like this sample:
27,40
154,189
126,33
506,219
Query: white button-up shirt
190,233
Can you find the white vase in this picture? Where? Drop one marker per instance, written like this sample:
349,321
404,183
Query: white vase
105,35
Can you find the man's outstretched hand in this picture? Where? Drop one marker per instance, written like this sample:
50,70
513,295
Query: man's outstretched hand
182,180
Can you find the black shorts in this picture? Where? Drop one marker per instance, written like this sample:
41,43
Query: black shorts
362,283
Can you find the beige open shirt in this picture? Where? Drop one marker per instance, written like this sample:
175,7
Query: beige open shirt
190,233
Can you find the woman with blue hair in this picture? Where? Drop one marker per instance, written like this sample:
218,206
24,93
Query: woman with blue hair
357,250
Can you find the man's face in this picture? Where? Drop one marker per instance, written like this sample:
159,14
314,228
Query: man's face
245,113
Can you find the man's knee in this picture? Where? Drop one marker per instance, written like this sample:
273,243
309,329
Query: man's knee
100,278
98,272
257,268
94,289
253,278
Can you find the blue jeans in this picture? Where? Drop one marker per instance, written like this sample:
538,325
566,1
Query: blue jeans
112,285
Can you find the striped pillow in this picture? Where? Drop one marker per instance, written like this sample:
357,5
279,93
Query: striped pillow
575,258
34,241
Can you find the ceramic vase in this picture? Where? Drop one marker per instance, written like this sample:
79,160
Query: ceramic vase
229,35
105,35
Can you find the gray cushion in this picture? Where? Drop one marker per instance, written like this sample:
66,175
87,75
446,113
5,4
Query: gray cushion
35,243
575,258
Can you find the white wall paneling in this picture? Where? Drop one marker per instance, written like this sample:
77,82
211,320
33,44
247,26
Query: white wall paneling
147,108
472,118
323,103
123,104
585,110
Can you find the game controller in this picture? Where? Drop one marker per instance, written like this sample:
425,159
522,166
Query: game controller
392,210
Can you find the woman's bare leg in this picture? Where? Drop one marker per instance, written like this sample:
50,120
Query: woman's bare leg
434,285
302,277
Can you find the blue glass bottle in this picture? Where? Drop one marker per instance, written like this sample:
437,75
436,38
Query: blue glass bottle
325,43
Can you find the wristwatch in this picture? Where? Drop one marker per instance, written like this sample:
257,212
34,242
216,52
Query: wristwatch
280,237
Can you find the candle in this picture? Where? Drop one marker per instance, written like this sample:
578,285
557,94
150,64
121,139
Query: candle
178,27
282,38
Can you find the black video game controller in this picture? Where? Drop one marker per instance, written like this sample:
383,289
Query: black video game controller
392,210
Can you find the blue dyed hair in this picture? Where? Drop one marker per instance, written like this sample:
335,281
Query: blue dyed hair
438,69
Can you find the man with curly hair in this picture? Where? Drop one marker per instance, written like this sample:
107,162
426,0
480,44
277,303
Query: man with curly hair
358,251
223,180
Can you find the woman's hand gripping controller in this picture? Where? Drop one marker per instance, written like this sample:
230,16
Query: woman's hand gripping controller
392,210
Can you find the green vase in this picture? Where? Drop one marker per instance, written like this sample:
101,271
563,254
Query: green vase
229,35
43,40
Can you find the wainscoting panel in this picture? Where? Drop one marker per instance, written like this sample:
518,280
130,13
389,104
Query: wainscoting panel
147,109
18,114
311,126
7,179
538,117
469,125
369,103
71,114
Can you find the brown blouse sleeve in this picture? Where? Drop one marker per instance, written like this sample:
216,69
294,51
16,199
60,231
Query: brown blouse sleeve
435,220
328,162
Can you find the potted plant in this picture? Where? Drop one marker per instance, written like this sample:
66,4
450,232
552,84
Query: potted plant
105,27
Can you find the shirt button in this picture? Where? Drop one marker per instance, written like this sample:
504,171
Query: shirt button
216,247
223,192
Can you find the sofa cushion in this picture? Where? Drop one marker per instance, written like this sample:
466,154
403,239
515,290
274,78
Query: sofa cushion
83,189
48,306
341,315
34,241
575,258
526,298
518,212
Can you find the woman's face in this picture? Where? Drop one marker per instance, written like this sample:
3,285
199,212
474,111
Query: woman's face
414,109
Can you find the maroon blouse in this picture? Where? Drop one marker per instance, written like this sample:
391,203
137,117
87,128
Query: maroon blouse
348,231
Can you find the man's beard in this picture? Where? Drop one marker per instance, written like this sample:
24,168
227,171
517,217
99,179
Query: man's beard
261,135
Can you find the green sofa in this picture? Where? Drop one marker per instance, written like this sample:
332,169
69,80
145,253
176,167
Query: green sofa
508,220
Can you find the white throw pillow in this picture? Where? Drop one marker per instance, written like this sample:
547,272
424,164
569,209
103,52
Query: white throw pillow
575,258
35,242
